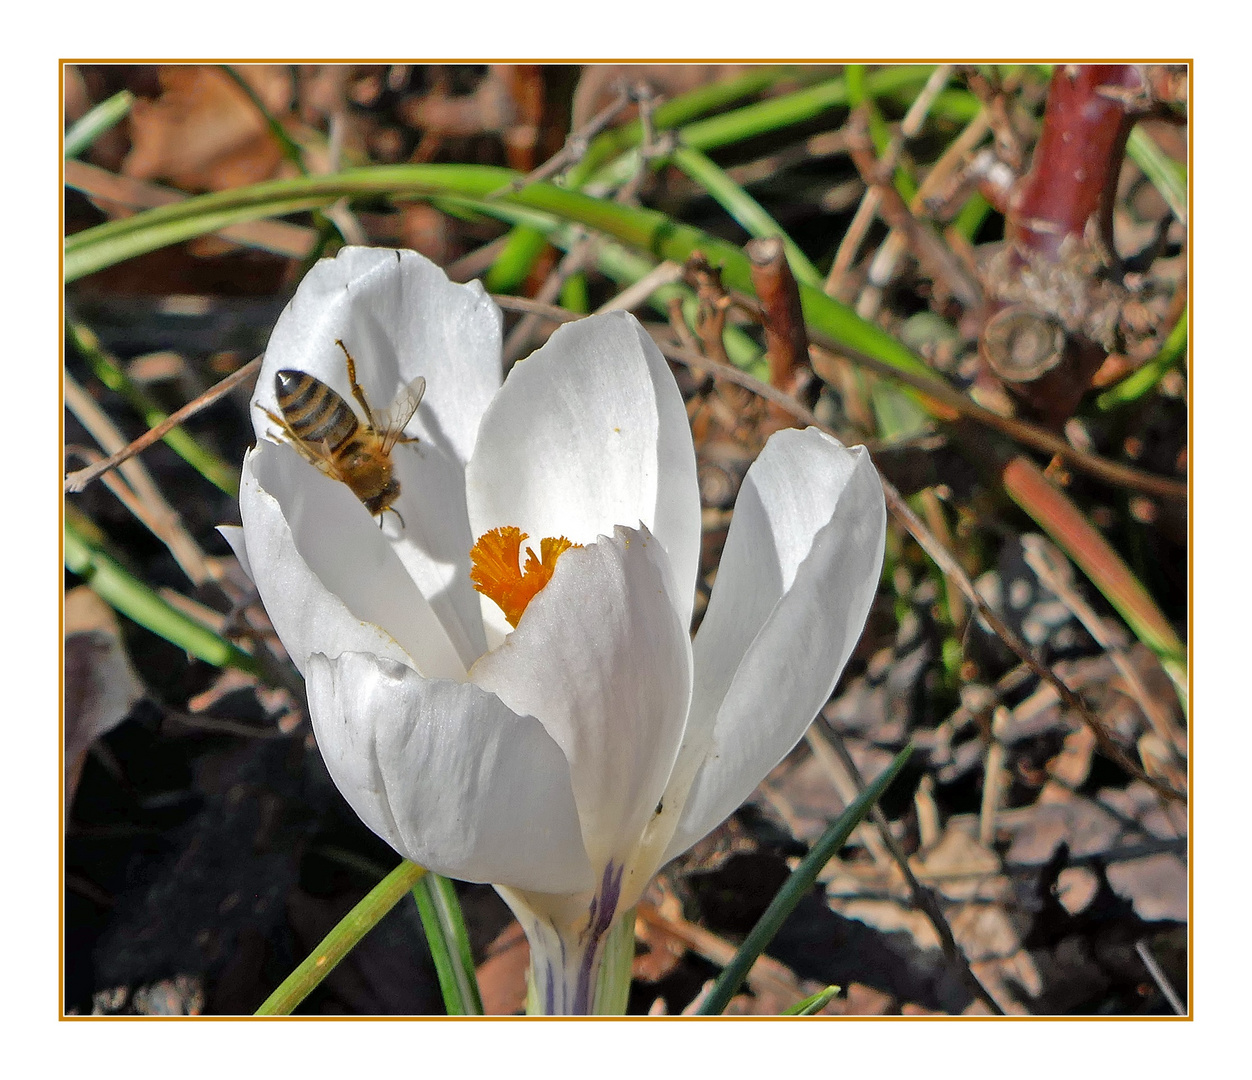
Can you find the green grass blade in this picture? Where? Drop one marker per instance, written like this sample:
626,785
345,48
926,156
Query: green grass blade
449,945
623,266
107,248
796,886
790,109
971,216
121,590
223,476
773,114
879,131
672,114
814,1004
743,208
514,263
645,230
341,940
1168,176
97,121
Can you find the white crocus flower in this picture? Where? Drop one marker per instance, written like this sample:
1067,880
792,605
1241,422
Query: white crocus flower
566,759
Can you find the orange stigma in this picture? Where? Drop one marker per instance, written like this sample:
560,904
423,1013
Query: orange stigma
496,570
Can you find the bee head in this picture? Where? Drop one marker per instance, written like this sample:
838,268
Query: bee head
386,495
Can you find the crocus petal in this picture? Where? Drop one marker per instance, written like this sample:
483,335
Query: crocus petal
795,584
447,775
233,535
431,536
307,540
588,433
601,658
400,317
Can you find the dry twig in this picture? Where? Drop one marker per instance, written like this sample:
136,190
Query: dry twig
76,481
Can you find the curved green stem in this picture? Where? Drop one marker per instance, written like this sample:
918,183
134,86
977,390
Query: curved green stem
340,941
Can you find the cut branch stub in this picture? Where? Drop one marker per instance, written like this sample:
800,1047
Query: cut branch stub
1021,344
786,340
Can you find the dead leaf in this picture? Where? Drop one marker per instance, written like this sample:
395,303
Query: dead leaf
959,867
100,684
1076,887
1155,885
502,976
203,133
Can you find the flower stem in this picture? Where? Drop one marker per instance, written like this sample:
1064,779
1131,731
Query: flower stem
613,988
567,948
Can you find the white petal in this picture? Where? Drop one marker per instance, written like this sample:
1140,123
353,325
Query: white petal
601,658
233,535
311,545
793,590
400,317
447,775
434,542
589,433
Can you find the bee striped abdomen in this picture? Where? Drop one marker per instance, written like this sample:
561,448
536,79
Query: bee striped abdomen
313,411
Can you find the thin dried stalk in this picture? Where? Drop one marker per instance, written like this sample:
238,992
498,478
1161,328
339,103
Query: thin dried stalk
139,493
76,481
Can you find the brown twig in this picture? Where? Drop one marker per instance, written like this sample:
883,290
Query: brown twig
136,489
1060,268
477,261
665,273
579,256
1111,472
947,562
1027,485
869,204
76,481
786,340
765,975
576,144
940,178
1054,571
1074,171
934,258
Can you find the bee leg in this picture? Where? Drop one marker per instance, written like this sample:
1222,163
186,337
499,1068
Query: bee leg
357,392
393,510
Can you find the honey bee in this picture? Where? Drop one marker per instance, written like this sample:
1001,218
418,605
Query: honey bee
326,431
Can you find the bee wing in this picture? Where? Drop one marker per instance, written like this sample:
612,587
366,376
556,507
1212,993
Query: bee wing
401,411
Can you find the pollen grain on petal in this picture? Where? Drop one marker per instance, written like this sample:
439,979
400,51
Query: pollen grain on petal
496,571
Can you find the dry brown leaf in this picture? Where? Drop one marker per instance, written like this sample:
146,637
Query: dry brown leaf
202,133
502,976
959,867
100,684
1155,885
